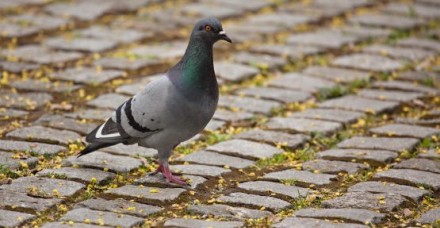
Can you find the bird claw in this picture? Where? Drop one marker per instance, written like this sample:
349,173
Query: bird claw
166,172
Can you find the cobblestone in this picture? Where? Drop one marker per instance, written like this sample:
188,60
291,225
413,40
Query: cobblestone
78,174
355,103
31,147
7,160
254,201
274,137
389,95
328,39
420,164
304,177
393,144
101,160
333,167
297,81
189,223
13,218
383,187
41,55
405,86
225,211
403,130
246,149
364,200
272,187
28,101
309,222
351,214
234,72
342,116
336,74
281,95
147,194
248,104
158,180
101,218
44,134
211,158
303,125
374,157
386,20
409,176
200,170
120,206
368,62
429,217
87,75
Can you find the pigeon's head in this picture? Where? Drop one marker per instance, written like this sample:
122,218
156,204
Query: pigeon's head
210,30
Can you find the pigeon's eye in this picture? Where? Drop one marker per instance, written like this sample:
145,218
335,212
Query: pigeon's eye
208,28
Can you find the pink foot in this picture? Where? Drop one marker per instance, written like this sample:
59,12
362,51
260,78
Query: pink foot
166,172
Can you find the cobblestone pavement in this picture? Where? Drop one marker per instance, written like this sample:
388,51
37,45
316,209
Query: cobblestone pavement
329,114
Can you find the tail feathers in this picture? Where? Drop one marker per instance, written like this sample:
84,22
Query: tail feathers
95,146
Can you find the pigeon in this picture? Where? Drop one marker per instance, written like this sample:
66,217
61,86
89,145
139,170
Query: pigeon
170,109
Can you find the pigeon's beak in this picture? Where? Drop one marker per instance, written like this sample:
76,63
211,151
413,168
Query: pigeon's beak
225,37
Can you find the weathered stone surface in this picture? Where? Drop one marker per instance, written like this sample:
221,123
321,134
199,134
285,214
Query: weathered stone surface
125,64
259,60
41,55
138,85
368,62
393,144
109,100
130,150
413,54
8,160
190,223
281,95
6,114
147,194
304,177
31,147
364,32
64,123
232,116
248,104
280,19
28,23
87,75
78,174
214,125
266,186
421,43
386,20
336,74
101,160
430,154
255,201
333,167
101,217
119,206
374,157
303,125
324,38
29,101
412,177
290,51
297,81
23,202
44,134
65,224
412,10
356,103
419,76
274,137
403,130
405,86
211,158
158,180
390,95
342,116
91,114
365,200
383,187
206,10
44,86
430,216
13,218
316,223
350,214
81,44
225,211
416,121
200,170
234,72
79,10
170,50
420,164
244,148
115,34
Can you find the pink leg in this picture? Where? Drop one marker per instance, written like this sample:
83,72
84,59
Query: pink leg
166,172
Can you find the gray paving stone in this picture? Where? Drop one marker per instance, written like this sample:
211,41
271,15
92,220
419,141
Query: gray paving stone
427,44
115,34
13,218
9,161
364,32
109,100
316,223
374,143
356,103
9,113
324,38
429,2
281,95
101,160
211,158
419,76
292,52
420,164
158,180
259,60
125,64
415,121
386,20
368,62
170,50
274,137
41,55
413,54
374,157
61,122
28,24
91,114
336,74
248,104
303,125
412,10
342,116
79,10
28,101
304,177
78,174
412,177
430,154
65,224
44,134
214,125
302,82
31,147
232,116
245,149
200,170
382,187
130,150
402,130
404,86
102,217
266,186
234,72
364,200
350,214
225,211
87,75
136,86
206,10
430,216
18,67
190,223
333,167
389,95
21,201
256,201
44,187
44,86
280,19
120,206
146,194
